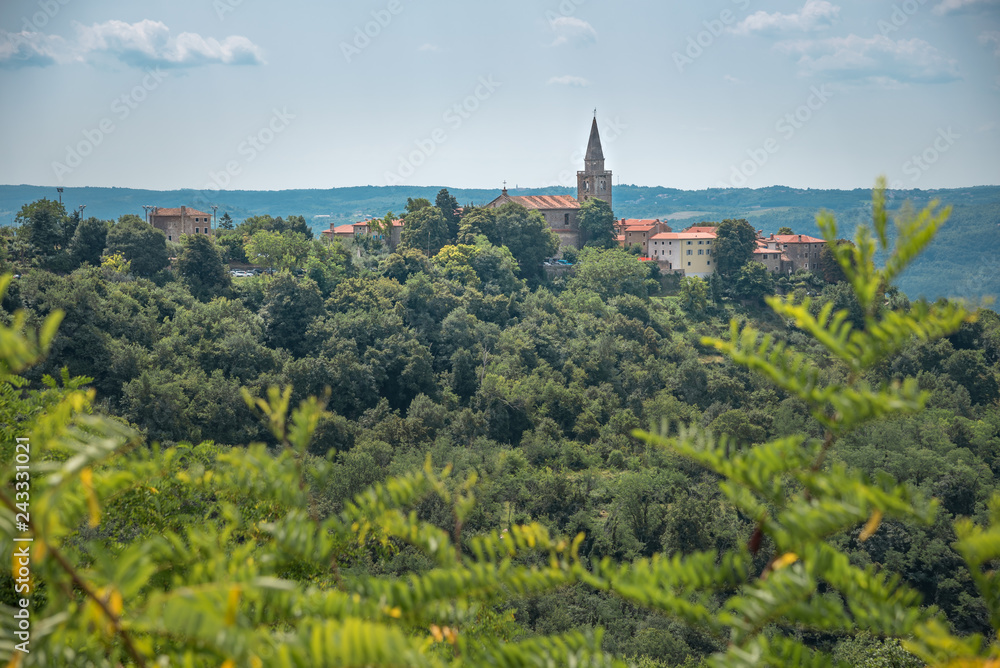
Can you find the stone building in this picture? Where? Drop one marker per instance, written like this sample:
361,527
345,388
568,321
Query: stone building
175,222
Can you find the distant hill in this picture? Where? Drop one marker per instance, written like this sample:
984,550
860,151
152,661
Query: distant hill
963,261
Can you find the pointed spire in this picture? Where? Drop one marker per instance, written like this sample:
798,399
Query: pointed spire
594,150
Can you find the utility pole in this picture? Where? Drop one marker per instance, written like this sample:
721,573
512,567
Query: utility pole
215,208
60,191
147,208
82,207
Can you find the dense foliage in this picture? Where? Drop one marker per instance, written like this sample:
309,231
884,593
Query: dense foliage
530,390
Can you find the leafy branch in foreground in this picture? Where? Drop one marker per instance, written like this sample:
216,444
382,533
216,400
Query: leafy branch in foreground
221,591
799,501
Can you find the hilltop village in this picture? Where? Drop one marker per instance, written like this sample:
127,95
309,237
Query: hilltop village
688,252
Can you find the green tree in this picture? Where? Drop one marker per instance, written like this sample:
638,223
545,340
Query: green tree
142,244
448,206
226,222
753,282
829,268
200,266
597,224
425,229
413,205
797,499
285,250
785,231
693,294
89,240
735,241
528,237
43,220
610,273
289,307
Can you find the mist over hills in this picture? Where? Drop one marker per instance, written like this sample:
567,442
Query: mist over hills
962,262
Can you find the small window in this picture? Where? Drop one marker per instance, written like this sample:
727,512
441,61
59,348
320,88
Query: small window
699,243
709,262
197,230
169,238
689,253
689,264
701,251
566,219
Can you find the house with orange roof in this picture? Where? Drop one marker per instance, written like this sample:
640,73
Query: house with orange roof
794,252
182,220
640,231
687,253
363,228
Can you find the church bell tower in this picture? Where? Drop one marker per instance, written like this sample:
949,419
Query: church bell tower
594,180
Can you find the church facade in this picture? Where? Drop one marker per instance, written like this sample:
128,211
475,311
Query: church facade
561,211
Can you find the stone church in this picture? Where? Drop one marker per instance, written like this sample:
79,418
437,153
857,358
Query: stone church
560,211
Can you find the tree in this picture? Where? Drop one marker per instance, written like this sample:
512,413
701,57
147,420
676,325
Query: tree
528,237
806,582
413,205
285,250
289,307
785,231
753,282
426,229
201,268
829,268
43,221
610,273
735,242
597,224
693,294
226,222
142,244
88,242
448,206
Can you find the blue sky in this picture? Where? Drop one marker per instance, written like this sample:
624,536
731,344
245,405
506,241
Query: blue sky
254,95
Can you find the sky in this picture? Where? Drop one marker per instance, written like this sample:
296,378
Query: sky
255,95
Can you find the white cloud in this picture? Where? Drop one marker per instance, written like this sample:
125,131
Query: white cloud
814,15
992,36
32,49
877,59
143,44
434,48
950,6
571,30
569,80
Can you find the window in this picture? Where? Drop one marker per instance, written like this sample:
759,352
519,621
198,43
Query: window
566,219
197,230
689,264
689,253
699,243
169,238
709,262
701,251
689,243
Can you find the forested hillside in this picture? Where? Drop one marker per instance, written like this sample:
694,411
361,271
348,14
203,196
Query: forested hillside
959,264
531,390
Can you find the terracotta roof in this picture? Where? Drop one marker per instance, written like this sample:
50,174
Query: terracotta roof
344,229
797,239
702,228
639,228
176,212
684,235
635,222
546,201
